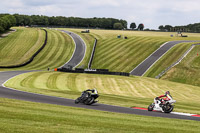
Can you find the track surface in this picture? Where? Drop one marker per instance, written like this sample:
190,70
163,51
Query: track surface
79,53
153,58
20,95
74,61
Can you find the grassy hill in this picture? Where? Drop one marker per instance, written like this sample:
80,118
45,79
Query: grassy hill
114,54
188,71
168,59
125,54
116,90
57,52
19,46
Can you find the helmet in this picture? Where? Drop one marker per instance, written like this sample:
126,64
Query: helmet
167,92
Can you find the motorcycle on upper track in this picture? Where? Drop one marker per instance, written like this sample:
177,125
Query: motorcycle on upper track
162,105
87,98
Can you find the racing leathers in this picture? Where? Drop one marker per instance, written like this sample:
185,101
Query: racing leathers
94,93
159,101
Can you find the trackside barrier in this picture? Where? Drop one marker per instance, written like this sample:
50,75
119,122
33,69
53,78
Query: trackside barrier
31,59
177,62
92,55
92,71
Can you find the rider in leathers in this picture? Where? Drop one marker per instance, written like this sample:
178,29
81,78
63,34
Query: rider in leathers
94,93
159,101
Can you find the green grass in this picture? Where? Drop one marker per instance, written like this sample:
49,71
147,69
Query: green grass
20,116
168,59
56,53
124,55
23,117
188,71
115,90
19,46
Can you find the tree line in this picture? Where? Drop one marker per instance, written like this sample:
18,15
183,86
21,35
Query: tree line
187,28
6,21
105,23
134,26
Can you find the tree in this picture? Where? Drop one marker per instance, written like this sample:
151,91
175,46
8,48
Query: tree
168,27
6,21
118,26
140,26
124,23
133,25
161,27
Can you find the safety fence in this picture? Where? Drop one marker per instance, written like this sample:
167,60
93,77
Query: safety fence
31,59
92,71
92,55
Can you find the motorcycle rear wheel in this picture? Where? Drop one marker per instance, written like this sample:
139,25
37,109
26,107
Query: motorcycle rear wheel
89,101
168,108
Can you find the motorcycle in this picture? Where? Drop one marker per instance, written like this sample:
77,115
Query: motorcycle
87,98
162,105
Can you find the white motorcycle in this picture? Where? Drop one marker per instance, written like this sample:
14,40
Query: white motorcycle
162,105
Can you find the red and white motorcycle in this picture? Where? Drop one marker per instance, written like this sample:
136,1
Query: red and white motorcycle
162,105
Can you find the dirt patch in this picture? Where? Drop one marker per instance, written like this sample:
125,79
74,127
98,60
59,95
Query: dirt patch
7,33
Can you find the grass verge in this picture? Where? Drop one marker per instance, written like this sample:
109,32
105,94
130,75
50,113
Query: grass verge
23,117
114,90
188,71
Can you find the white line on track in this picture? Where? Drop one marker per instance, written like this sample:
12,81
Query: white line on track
149,56
75,47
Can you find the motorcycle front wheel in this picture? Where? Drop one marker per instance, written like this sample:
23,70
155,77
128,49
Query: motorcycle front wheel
77,101
151,106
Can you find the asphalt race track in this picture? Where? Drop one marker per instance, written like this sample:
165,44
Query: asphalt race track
79,53
75,60
20,95
153,58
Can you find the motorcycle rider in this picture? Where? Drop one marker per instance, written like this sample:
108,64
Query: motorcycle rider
94,93
167,96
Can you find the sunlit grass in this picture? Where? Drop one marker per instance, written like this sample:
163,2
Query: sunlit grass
23,117
115,90
19,46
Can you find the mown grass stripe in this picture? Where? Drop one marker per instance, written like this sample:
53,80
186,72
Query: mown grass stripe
142,90
20,42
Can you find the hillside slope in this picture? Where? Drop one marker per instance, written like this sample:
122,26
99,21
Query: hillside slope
58,51
19,46
188,71
118,54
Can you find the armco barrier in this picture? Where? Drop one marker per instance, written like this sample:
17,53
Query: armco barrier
93,71
92,55
177,62
31,59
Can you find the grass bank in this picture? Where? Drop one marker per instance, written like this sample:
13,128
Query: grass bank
56,53
118,54
115,90
188,71
19,46
23,117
